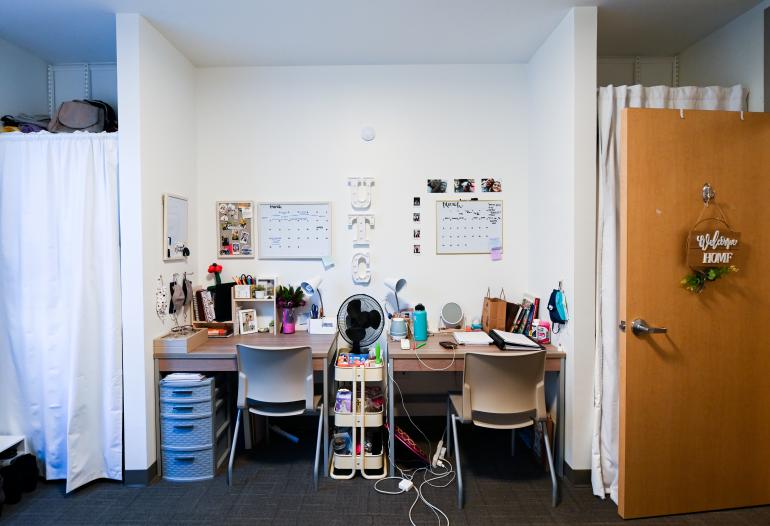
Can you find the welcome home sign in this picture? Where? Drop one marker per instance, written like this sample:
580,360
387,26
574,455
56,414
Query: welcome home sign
713,248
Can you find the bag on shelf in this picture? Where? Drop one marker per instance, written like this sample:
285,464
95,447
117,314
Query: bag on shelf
497,313
84,115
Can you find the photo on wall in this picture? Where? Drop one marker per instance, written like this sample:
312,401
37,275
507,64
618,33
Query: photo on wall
463,186
437,186
416,217
491,185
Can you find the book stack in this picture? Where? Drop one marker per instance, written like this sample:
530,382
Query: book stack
529,310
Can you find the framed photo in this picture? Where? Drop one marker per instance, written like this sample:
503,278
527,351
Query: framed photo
235,229
247,321
463,186
416,201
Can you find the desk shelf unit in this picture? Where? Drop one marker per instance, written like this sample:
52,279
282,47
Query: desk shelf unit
359,420
266,309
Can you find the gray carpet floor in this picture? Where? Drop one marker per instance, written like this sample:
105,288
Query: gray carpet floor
273,485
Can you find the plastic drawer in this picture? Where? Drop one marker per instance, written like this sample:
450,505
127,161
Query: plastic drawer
370,419
187,390
188,464
358,374
186,431
192,407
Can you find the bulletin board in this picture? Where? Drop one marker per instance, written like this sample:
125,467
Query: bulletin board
175,211
295,230
235,229
468,227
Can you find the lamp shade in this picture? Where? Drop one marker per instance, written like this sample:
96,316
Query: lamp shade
311,286
395,284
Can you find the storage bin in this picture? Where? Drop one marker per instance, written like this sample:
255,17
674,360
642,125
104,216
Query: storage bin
187,390
186,431
194,407
181,464
368,460
373,419
358,374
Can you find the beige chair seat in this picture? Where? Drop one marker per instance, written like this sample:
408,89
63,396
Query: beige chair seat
500,391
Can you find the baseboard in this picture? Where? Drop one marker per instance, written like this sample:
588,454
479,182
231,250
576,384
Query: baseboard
140,477
579,477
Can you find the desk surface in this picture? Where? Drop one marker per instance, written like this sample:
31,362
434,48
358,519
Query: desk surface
224,348
433,350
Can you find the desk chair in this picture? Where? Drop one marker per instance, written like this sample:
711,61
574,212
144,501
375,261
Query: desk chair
275,383
500,391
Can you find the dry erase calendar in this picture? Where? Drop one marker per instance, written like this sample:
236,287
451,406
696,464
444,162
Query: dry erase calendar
295,230
468,227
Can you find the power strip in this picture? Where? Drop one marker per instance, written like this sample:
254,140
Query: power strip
437,456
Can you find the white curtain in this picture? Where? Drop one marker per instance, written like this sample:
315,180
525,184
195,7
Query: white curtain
612,100
60,330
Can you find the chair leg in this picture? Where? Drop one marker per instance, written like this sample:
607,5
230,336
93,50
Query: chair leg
554,481
267,430
460,499
318,446
513,442
232,449
448,430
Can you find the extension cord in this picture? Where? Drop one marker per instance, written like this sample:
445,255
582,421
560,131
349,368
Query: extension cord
405,485
437,455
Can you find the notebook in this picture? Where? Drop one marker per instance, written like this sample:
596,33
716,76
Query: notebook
511,340
472,338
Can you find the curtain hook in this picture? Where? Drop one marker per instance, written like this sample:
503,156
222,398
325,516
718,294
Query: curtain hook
681,113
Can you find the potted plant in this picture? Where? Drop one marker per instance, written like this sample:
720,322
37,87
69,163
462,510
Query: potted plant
259,291
288,299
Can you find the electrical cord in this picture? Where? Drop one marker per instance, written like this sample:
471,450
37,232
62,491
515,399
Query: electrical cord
410,474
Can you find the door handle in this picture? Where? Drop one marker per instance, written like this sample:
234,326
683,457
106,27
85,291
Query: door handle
639,327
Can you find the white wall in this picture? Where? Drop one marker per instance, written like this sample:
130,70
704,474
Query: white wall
23,81
293,134
562,203
734,54
156,90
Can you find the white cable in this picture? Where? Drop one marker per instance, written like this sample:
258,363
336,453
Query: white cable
454,355
410,474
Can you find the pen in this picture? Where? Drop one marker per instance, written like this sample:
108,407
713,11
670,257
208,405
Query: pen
420,346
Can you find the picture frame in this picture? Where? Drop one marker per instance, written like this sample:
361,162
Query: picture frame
247,321
235,229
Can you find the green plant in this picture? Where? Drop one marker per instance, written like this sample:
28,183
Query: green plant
289,297
696,281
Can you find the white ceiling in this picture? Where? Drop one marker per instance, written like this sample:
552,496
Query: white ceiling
316,32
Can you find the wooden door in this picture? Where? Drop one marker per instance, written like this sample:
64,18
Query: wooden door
694,402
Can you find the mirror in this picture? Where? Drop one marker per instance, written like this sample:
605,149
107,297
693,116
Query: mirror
175,217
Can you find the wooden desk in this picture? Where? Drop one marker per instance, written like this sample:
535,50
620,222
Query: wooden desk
220,355
434,358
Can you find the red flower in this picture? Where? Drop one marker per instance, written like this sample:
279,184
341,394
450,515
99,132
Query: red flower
215,269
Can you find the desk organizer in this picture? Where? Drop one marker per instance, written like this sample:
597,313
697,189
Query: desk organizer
175,342
351,412
194,429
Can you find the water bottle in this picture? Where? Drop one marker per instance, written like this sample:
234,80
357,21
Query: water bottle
420,328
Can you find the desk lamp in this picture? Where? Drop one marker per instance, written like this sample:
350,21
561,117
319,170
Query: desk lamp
311,288
396,284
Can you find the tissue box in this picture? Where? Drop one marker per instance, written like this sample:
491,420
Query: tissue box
322,326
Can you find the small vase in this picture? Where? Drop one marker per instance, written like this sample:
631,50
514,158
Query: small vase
288,321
